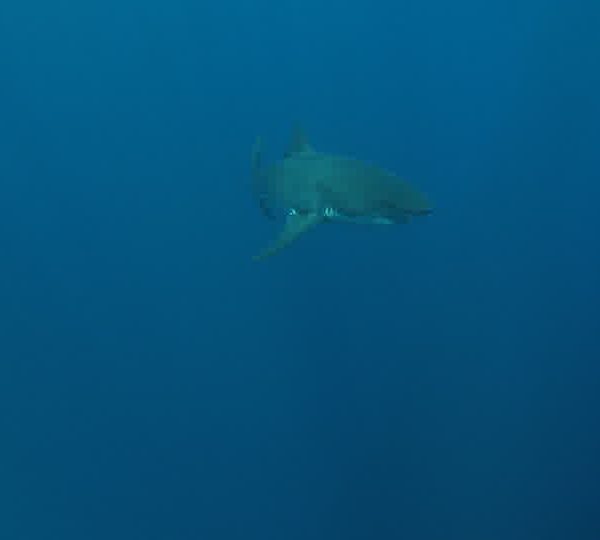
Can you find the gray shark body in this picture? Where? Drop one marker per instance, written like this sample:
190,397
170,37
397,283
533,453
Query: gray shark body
311,188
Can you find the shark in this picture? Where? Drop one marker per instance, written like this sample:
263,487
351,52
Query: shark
311,188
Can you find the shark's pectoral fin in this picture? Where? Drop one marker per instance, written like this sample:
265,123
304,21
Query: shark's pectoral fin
295,225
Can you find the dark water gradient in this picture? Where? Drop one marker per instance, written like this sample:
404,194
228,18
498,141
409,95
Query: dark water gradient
434,381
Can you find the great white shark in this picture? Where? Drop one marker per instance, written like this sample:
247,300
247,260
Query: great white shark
311,188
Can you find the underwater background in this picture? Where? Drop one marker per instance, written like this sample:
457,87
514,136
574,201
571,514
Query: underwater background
438,380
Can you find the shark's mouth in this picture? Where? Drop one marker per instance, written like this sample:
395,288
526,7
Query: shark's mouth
333,215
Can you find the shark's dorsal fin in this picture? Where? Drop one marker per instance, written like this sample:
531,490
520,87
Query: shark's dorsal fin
299,143
295,225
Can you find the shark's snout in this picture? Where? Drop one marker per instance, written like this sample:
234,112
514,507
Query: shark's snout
418,205
423,211
415,205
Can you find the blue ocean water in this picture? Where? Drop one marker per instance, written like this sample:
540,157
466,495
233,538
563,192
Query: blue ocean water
438,380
